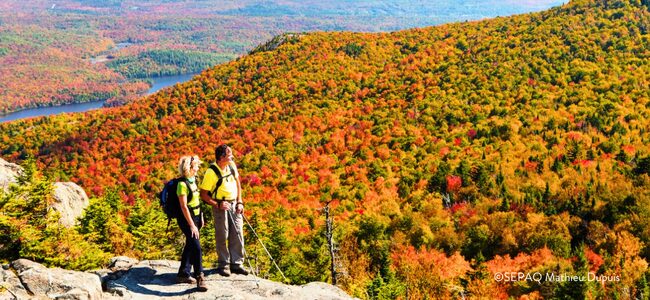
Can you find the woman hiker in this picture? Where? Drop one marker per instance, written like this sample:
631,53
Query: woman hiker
190,222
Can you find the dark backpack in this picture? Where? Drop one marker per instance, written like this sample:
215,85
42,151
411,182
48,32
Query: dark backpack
169,199
221,177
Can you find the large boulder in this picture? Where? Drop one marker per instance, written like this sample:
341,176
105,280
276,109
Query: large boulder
10,285
44,283
70,202
70,199
8,173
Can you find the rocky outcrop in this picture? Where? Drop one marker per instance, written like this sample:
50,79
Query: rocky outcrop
70,202
121,263
70,199
276,42
157,278
10,285
150,279
37,281
8,173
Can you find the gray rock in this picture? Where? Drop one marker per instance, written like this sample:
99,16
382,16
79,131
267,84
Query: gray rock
157,279
70,201
321,290
276,42
151,279
57,283
8,173
10,286
122,263
21,265
74,294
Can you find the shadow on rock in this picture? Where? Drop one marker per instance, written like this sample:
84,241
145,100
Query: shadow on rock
149,278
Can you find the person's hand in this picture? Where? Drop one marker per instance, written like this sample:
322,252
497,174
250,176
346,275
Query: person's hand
225,205
239,208
195,231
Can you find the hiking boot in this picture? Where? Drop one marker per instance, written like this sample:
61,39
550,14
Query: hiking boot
223,272
200,284
182,279
238,270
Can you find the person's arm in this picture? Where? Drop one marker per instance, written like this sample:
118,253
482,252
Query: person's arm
223,205
205,196
239,208
239,200
206,186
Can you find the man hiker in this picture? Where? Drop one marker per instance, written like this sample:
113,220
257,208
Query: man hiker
221,189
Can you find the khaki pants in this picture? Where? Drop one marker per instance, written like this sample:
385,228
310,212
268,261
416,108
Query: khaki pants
229,236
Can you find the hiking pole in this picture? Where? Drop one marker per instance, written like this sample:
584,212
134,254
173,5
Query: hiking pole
241,239
267,251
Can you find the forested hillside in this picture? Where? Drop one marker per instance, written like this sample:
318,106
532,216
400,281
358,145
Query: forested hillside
74,51
42,67
448,154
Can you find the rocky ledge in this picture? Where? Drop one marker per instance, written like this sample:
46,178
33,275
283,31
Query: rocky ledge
127,278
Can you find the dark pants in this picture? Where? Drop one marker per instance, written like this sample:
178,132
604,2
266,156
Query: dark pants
192,255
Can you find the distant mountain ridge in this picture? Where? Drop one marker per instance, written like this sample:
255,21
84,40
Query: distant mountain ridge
510,144
91,50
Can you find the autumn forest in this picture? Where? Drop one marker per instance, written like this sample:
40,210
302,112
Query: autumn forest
446,155
74,51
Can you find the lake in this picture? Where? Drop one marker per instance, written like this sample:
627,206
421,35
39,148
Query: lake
158,84
165,81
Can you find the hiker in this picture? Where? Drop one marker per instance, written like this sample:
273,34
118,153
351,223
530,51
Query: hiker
222,190
190,222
